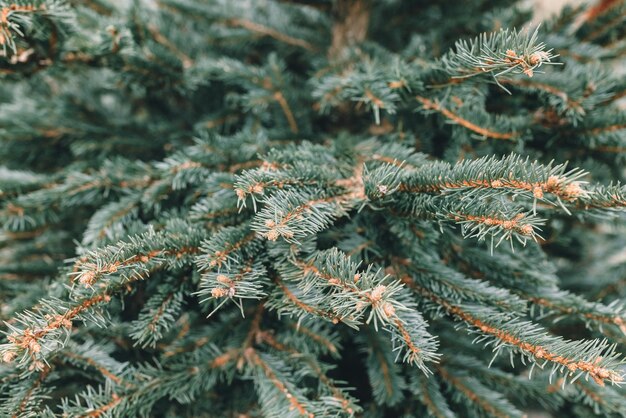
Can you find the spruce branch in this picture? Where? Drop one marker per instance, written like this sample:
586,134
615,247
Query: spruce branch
110,219
497,54
267,84
429,393
334,395
321,335
27,397
290,302
428,104
602,22
18,18
18,181
573,93
521,390
382,368
332,283
43,330
247,280
434,273
545,295
594,358
243,238
607,400
478,218
45,205
158,315
295,215
610,197
512,174
480,397
264,30
89,356
276,392
201,373
127,261
229,245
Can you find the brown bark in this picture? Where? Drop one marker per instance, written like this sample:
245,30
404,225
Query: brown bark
351,23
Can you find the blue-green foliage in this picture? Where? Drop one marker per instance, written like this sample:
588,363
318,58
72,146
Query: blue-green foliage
341,208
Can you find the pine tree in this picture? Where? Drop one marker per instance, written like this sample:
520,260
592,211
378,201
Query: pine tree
335,208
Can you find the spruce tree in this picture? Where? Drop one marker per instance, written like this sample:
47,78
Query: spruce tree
292,208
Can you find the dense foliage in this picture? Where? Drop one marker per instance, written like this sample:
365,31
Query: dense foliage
238,208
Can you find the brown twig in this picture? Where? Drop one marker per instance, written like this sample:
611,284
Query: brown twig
429,104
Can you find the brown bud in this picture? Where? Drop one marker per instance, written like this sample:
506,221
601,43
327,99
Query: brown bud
573,189
388,309
219,292
538,57
377,293
223,279
8,356
526,229
553,181
37,365
88,278
272,235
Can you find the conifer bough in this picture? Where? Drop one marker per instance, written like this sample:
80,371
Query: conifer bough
343,208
